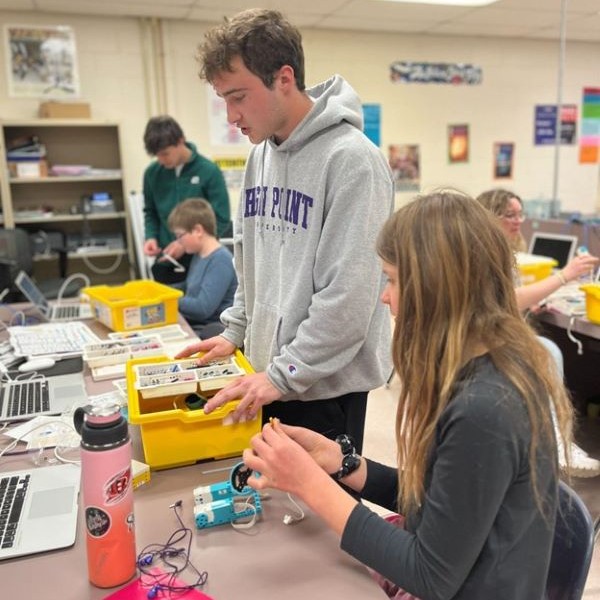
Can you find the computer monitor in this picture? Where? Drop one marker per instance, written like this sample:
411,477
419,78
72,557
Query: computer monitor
554,245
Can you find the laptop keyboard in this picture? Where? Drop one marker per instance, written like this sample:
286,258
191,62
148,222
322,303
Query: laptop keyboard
66,312
13,490
30,397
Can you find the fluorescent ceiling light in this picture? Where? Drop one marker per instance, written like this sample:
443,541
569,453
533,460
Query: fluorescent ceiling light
447,2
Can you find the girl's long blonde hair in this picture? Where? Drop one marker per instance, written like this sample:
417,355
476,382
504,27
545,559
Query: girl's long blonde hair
456,295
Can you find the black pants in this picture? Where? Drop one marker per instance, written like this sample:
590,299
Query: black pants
331,417
164,272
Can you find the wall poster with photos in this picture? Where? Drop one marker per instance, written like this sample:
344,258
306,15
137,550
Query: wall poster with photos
41,61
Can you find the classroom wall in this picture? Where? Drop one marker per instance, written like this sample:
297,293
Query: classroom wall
517,74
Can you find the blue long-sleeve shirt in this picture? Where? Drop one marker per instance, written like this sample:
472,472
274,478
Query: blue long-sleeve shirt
209,287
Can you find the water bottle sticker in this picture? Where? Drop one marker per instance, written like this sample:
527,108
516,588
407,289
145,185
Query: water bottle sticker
116,488
97,521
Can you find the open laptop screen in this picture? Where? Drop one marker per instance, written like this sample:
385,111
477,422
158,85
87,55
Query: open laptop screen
32,292
559,247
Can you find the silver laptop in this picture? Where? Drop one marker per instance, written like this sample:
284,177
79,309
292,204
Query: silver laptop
30,397
52,312
560,247
40,505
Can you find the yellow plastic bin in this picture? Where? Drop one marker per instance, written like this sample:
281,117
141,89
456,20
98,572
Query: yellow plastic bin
135,305
534,268
174,435
592,301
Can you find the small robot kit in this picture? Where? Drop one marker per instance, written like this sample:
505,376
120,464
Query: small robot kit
107,359
166,398
227,501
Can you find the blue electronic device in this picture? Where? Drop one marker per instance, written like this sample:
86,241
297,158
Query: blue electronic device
226,501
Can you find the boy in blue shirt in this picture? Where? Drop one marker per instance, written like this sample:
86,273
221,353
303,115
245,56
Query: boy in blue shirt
211,281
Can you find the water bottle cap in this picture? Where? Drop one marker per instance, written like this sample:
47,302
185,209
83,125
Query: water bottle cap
101,414
101,426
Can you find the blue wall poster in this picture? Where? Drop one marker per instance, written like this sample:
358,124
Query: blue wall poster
372,119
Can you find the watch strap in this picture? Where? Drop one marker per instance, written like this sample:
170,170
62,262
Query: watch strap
350,460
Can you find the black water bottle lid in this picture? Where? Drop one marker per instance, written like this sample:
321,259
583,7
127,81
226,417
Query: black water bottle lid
101,426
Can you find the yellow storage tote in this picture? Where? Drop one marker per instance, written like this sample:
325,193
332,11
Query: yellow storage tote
534,268
592,301
134,305
174,435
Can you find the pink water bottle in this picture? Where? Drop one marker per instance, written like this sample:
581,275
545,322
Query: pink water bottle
107,494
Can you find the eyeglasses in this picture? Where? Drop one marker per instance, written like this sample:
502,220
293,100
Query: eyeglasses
178,236
514,216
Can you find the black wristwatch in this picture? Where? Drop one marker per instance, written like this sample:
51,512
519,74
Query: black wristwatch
350,460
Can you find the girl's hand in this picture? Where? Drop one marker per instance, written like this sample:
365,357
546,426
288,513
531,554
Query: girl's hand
291,459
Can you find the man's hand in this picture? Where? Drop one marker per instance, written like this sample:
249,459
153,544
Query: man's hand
254,390
174,249
214,348
151,247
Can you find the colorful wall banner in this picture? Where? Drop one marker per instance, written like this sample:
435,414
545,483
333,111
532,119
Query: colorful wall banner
589,138
545,124
423,72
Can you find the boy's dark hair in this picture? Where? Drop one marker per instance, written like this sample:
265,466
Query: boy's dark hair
192,212
161,132
263,39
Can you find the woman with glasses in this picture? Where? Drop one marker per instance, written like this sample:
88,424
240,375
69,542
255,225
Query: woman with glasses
508,207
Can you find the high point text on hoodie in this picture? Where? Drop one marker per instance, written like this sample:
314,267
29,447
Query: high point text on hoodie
265,201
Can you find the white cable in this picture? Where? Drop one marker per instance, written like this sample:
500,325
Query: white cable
239,506
68,280
14,443
572,337
99,270
290,519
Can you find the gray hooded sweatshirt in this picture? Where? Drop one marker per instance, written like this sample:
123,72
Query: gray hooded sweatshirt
307,308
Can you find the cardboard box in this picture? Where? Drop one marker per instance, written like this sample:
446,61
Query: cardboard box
28,168
65,110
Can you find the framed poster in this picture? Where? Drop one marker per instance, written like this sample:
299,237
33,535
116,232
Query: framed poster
458,143
41,62
404,162
504,153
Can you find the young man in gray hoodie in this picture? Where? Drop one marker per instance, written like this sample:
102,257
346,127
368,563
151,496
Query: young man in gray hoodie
315,194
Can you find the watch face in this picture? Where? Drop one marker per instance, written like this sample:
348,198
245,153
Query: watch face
346,443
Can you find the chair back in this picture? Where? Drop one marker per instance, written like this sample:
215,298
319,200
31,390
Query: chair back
135,206
572,547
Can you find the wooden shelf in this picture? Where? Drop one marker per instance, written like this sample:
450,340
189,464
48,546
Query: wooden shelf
75,255
90,142
64,179
66,218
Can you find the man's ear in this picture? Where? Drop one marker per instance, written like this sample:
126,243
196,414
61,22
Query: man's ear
286,77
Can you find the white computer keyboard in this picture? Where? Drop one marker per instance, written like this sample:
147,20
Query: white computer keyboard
51,339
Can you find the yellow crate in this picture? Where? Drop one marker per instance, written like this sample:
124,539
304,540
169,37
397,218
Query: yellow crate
173,435
135,305
535,268
592,301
